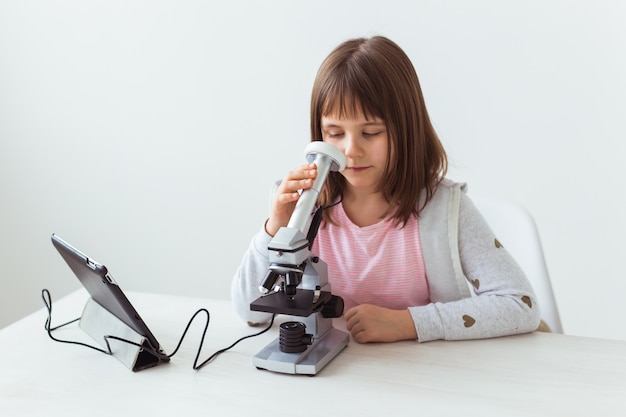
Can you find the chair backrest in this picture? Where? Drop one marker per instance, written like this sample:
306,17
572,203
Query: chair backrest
516,230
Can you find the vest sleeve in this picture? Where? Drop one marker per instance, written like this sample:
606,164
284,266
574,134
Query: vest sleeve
249,275
502,302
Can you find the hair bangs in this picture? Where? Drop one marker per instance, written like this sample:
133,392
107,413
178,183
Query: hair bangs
347,96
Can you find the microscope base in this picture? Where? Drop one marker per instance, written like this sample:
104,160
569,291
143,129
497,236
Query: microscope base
309,362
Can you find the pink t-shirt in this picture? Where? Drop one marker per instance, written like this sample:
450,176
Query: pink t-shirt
381,264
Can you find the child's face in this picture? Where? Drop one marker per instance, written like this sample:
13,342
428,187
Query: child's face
364,143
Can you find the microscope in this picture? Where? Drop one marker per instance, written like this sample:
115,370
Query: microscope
306,344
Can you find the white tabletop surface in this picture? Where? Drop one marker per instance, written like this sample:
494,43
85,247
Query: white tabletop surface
530,375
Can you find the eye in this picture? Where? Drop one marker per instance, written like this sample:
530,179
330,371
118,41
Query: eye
334,134
371,134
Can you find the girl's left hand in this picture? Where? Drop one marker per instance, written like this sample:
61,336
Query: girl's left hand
370,323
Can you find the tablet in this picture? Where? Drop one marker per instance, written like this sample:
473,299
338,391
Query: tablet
103,289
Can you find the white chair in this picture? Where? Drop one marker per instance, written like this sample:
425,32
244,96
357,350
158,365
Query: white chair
515,228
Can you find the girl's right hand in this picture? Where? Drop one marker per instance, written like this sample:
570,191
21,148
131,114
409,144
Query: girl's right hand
286,196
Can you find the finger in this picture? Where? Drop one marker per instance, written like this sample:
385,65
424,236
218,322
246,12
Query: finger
361,337
295,183
292,186
348,314
352,320
287,197
300,171
359,334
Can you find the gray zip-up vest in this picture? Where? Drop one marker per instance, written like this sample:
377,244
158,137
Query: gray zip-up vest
439,227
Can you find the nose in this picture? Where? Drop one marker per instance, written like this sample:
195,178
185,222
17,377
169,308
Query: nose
351,147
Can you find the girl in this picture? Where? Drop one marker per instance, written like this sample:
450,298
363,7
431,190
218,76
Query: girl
406,249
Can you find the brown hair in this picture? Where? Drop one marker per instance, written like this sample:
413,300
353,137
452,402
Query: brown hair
375,76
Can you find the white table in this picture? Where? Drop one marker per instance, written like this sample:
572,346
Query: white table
530,375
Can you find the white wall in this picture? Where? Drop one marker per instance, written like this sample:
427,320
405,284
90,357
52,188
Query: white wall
147,133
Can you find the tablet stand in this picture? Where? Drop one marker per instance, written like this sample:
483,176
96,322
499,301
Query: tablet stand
100,324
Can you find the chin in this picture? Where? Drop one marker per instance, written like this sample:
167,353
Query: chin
361,184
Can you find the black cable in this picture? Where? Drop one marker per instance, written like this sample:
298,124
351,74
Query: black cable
45,294
219,352
333,204
316,221
47,299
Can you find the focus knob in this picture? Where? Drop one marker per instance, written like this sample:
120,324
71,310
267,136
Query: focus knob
333,308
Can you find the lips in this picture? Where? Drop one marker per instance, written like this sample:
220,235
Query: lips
357,169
